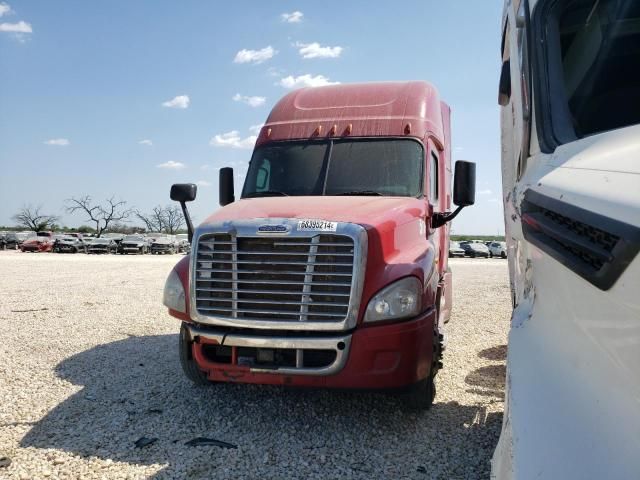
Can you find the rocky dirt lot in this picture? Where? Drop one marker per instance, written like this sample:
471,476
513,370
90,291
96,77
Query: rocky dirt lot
88,365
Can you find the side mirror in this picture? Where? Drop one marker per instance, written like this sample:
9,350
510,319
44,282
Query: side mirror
226,186
464,184
183,192
464,192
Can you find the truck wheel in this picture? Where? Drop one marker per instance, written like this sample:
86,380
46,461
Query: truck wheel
420,396
189,366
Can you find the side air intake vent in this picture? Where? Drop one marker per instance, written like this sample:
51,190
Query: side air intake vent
595,247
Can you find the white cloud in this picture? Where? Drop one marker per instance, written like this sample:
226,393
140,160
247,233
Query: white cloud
485,192
293,17
203,183
232,139
58,142
255,56
315,50
146,142
255,129
20,27
306,80
251,101
181,101
172,165
4,9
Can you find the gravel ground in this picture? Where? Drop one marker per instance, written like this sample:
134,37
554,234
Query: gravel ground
89,366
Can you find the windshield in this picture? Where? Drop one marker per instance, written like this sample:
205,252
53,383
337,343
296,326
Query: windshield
391,167
593,54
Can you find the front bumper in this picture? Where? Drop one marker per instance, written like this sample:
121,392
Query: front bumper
374,357
42,247
131,248
67,248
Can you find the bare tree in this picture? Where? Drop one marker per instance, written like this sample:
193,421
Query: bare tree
101,215
32,218
154,221
167,219
173,219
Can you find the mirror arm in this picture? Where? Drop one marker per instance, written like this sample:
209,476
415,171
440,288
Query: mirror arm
187,219
440,218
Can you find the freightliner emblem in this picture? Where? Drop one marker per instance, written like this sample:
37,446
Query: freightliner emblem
274,229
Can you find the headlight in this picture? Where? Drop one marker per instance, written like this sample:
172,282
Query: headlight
401,299
173,296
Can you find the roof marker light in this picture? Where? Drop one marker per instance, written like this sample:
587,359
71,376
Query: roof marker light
317,131
268,132
407,128
333,130
349,128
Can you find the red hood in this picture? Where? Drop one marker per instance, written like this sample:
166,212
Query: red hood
35,240
377,212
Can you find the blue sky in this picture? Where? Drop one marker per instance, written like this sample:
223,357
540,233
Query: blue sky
125,98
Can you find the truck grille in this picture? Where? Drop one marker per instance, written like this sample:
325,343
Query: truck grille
274,278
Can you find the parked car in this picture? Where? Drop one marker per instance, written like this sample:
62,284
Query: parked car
116,237
183,243
102,245
475,249
133,244
42,242
166,244
11,241
498,249
455,250
70,243
3,241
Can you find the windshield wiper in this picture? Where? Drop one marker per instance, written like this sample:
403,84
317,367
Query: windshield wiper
266,193
361,192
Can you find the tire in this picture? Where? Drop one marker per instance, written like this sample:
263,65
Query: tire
503,255
490,255
421,395
189,366
472,255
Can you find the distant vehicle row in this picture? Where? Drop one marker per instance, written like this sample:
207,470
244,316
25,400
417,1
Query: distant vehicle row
477,248
107,244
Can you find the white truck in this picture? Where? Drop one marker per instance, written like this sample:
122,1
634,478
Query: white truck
570,97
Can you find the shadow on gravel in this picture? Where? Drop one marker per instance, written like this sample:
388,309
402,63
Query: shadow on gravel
134,388
499,352
490,379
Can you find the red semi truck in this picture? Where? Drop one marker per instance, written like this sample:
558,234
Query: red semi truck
331,270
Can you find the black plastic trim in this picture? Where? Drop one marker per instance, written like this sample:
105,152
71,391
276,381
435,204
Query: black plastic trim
601,264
